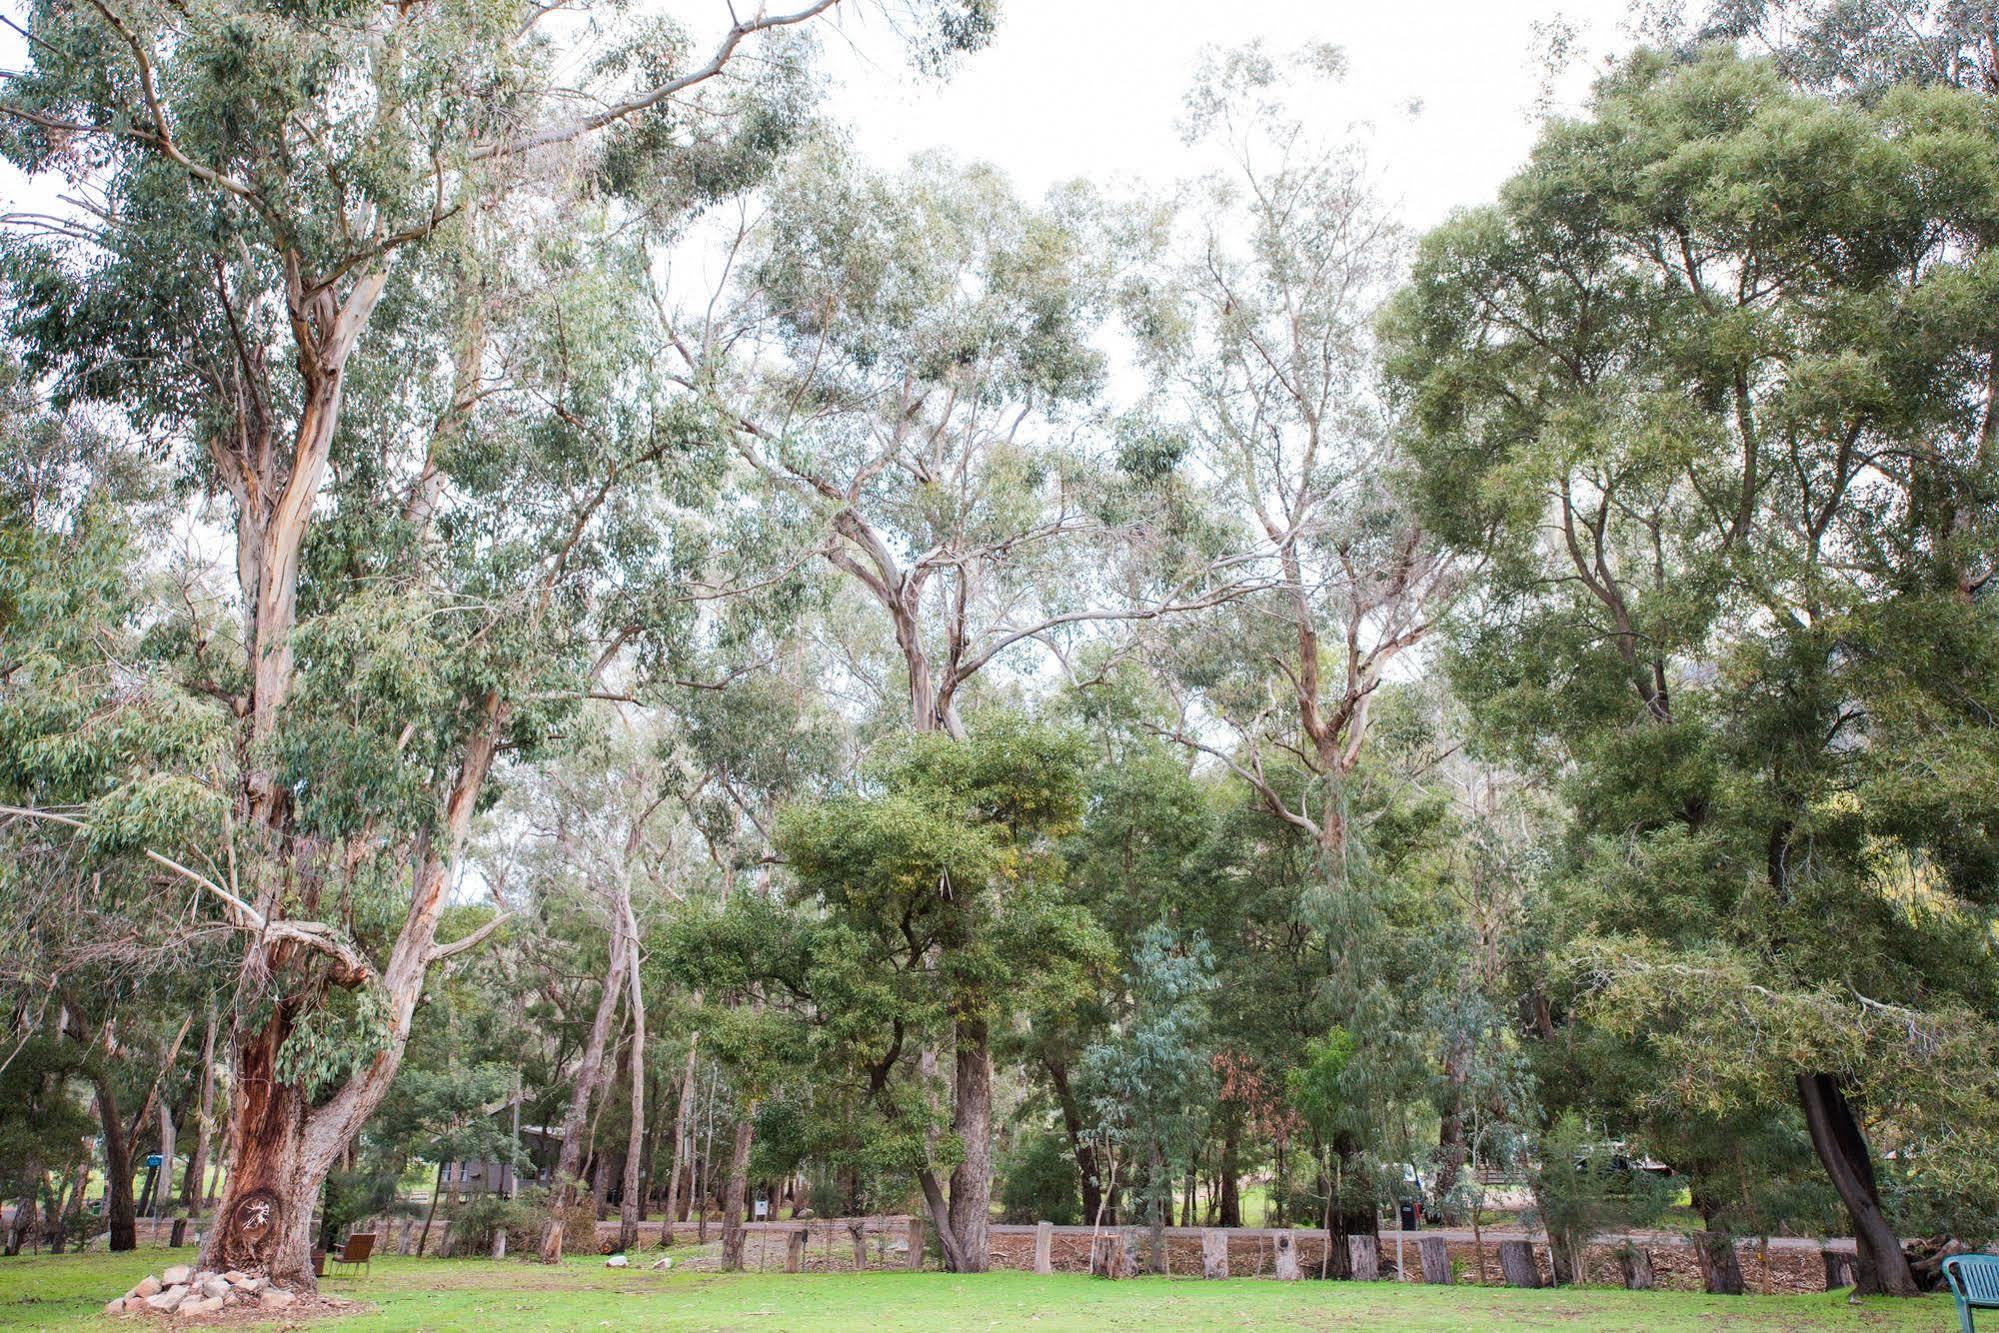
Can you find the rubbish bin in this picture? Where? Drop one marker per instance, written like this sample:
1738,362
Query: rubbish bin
1411,1216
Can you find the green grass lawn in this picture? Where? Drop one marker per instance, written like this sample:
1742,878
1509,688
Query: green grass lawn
69,1292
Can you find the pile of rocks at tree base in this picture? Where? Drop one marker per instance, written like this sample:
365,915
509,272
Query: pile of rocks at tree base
183,1290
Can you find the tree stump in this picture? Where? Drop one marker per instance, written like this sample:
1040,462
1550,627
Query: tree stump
858,1231
1214,1253
1436,1256
1516,1263
1838,1268
178,1236
1044,1247
794,1250
1363,1258
403,1239
1287,1256
1721,1270
1636,1265
1107,1254
915,1244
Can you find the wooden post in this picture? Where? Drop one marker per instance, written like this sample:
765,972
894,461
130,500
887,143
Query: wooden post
915,1244
1517,1263
1436,1260
1214,1253
1365,1253
1287,1256
1636,1264
1044,1247
794,1250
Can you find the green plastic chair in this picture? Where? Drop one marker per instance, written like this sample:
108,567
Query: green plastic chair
1974,1281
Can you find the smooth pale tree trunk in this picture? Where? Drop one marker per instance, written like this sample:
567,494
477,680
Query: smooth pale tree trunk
1842,1149
972,1120
738,1187
682,1148
569,1162
628,1208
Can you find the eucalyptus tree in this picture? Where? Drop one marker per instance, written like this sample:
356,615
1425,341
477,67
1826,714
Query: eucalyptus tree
931,897
921,397
1258,335
1256,329
1724,438
263,187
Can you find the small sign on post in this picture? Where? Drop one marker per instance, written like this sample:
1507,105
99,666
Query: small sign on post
762,1210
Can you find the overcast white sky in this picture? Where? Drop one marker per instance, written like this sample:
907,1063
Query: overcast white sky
1092,88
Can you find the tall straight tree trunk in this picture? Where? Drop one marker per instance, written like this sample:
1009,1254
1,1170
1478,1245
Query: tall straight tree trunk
167,1154
194,1186
1842,1149
682,1148
1451,1148
1079,1146
1230,1209
628,1206
120,1217
570,1161
972,1120
436,1192
734,1193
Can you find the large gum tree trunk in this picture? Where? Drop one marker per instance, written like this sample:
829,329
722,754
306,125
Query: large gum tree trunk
263,1223
972,1120
1842,1149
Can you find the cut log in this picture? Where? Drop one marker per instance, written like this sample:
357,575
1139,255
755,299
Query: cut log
1214,1253
1364,1254
1517,1263
1838,1268
1636,1265
1044,1247
1287,1256
1436,1257
794,1250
